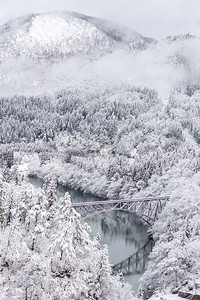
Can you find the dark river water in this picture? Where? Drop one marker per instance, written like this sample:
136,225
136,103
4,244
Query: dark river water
121,231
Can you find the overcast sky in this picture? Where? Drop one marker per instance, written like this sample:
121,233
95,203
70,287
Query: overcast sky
156,18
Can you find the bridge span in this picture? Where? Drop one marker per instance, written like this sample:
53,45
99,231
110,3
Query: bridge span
148,209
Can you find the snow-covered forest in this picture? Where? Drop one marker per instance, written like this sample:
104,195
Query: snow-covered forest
46,253
107,111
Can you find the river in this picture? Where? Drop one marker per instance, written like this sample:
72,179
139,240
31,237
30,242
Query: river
121,231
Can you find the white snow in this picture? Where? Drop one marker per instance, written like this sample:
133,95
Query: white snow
165,297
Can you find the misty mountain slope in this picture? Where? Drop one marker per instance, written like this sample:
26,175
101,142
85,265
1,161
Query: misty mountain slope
52,36
120,34
61,34
65,44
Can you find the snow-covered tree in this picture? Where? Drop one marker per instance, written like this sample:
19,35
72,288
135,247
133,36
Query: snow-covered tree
175,260
46,253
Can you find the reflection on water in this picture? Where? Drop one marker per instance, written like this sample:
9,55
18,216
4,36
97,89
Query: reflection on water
124,231
121,231
123,234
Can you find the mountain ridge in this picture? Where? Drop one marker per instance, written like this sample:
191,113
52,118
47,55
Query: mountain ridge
55,35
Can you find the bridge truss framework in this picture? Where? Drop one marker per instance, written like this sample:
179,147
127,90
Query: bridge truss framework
148,209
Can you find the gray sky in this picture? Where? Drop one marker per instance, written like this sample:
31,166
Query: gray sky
155,18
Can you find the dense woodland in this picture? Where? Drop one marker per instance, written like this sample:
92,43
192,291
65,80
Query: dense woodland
124,137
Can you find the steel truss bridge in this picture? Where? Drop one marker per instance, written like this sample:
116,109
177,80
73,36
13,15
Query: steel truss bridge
147,209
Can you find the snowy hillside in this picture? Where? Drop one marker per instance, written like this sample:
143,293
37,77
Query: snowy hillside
60,34
70,49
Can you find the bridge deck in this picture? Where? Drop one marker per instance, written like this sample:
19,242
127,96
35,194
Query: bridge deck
120,201
147,209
